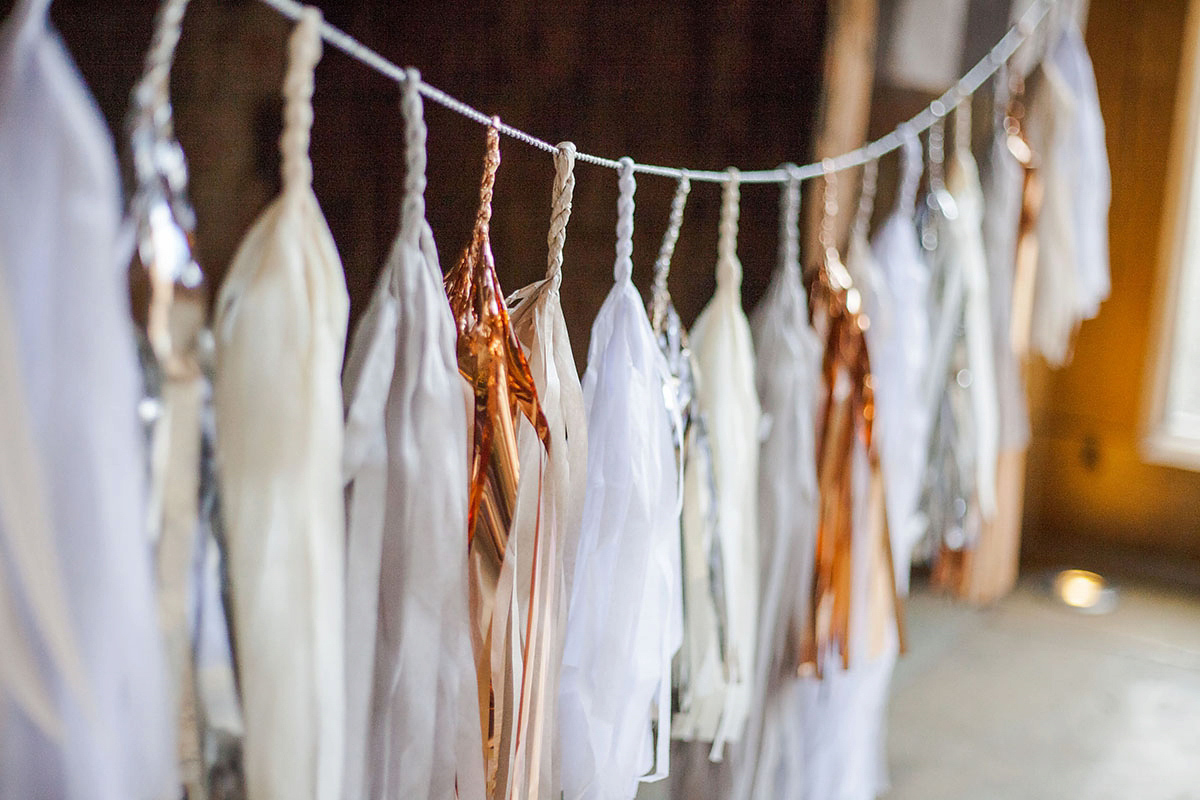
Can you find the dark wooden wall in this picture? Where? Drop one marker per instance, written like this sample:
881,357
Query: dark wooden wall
697,84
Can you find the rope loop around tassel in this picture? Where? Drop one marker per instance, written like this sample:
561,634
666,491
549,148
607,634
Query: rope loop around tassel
729,269
626,186
936,149
789,224
911,167
962,127
487,186
560,209
304,51
829,209
412,211
153,89
660,296
866,199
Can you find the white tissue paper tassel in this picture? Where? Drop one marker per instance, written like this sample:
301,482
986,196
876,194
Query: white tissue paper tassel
95,721
536,316
725,352
280,330
899,342
1068,133
625,620
1002,203
964,235
788,355
411,717
699,693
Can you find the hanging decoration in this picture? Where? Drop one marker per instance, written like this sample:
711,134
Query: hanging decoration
500,553
79,635
899,339
280,328
700,666
177,371
412,713
962,180
707,540
854,623
1066,126
1002,200
788,358
846,459
962,384
1026,248
952,516
625,622
538,321
723,347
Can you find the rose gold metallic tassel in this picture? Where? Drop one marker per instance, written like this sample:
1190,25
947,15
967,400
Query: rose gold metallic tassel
847,416
490,360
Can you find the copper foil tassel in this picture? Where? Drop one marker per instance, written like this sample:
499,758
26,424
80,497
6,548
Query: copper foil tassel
846,423
490,359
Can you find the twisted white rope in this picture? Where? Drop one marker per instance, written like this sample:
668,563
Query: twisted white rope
962,128
789,226
660,296
829,208
415,134
911,167
866,198
729,269
962,89
560,209
937,155
304,51
153,85
626,185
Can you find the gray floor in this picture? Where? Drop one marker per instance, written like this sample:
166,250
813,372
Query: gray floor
1029,700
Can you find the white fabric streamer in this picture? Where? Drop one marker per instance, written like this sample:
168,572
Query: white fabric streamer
1068,133
412,719
788,353
84,706
964,236
844,713
280,329
700,666
1002,202
724,351
898,342
536,316
625,619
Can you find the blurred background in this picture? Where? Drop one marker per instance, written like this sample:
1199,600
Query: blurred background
1016,696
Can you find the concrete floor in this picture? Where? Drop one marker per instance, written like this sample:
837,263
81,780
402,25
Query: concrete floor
1032,701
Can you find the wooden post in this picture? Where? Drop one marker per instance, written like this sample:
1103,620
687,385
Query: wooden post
845,111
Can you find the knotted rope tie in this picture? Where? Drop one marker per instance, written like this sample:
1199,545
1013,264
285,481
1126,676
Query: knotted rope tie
626,185
487,187
789,224
866,199
729,269
560,210
962,127
304,51
937,155
910,173
153,87
829,210
660,297
415,134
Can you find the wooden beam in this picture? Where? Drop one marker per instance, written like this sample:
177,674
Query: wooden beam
845,111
